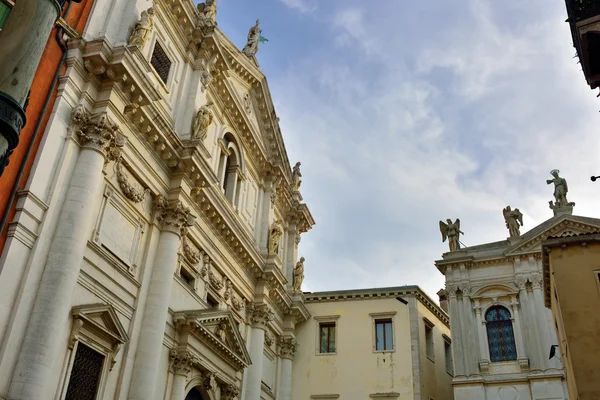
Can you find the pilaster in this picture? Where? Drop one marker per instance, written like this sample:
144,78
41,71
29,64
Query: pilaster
259,316
287,350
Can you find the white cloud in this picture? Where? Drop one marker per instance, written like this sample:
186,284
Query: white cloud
300,5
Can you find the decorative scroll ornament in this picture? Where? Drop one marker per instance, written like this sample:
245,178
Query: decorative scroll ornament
274,236
288,347
143,29
98,133
181,362
133,194
229,392
260,315
192,255
204,118
299,275
172,217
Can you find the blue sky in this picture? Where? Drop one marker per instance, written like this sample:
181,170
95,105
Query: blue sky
407,112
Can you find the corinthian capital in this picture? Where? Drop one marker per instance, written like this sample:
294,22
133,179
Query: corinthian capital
172,217
260,315
181,362
288,347
97,132
229,392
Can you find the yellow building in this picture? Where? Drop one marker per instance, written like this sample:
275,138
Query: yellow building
383,343
571,285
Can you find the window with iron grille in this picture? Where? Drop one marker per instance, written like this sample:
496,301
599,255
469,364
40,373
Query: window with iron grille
161,62
85,375
501,339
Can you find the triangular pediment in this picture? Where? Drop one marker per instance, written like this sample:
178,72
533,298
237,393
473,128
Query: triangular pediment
102,319
559,226
219,331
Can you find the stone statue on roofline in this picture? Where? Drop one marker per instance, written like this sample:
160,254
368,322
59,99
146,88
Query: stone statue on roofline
451,231
143,29
251,47
560,192
513,219
296,175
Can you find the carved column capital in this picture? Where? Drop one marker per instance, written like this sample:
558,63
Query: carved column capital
97,132
260,315
451,291
181,362
229,392
172,217
521,282
288,347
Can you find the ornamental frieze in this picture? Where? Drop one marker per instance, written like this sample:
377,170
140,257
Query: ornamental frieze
97,132
171,217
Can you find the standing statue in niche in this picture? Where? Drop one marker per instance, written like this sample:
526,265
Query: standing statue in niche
222,331
251,47
296,175
208,11
143,29
452,232
274,236
299,275
560,190
204,118
513,219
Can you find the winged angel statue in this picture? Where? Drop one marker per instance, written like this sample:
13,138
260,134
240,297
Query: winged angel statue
451,231
514,220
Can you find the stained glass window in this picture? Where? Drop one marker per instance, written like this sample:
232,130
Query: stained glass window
85,375
327,335
383,335
501,339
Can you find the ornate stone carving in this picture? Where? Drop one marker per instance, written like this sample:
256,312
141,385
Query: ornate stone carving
172,217
205,266
133,194
204,118
299,275
260,315
215,281
247,103
560,191
229,392
288,347
143,29
297,239
97,132
536,280
521,282
238,303
206,65
451,290
191,254
228,289
251,47
221,331
208,12
269,339
513,219
209,382
75,328
274,236
296,175
181,362
452,232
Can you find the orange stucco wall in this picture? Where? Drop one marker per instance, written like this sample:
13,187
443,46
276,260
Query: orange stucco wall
42,81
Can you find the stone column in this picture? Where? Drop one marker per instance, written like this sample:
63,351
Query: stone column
481,331
470,335
260,316
538,298
529,325
46,331
288,347
172,219
518,333
181,363
456,329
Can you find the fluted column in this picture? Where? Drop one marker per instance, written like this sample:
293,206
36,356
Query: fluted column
46,331
172,219
181,363
456,329
260,316
288,347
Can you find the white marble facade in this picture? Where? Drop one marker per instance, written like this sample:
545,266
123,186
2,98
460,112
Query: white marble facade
505,277
141,237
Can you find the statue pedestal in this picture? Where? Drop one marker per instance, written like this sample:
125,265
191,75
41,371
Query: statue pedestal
563,209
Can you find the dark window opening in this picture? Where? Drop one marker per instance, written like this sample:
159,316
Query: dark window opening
85,375
212,303
187,277
327,335
161,62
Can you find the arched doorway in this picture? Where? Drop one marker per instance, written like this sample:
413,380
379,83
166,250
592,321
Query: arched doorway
194,394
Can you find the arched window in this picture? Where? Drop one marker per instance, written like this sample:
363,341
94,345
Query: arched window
231,170
501,338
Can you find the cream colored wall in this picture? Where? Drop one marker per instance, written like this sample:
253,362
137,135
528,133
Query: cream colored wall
355,371
436,383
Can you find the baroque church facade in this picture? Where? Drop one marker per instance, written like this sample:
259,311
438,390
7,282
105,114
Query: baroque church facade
154,252
504,338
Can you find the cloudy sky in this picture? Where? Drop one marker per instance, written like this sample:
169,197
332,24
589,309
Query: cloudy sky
407,112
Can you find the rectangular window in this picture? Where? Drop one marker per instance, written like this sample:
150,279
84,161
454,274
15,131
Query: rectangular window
383,335
448,356
187,277
5,9
429,349
85,375
327,337
161,62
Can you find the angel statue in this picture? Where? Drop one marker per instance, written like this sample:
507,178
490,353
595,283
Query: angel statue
204,118
251,47
452,232
143,29
560,190
296,175
298,275
513,219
